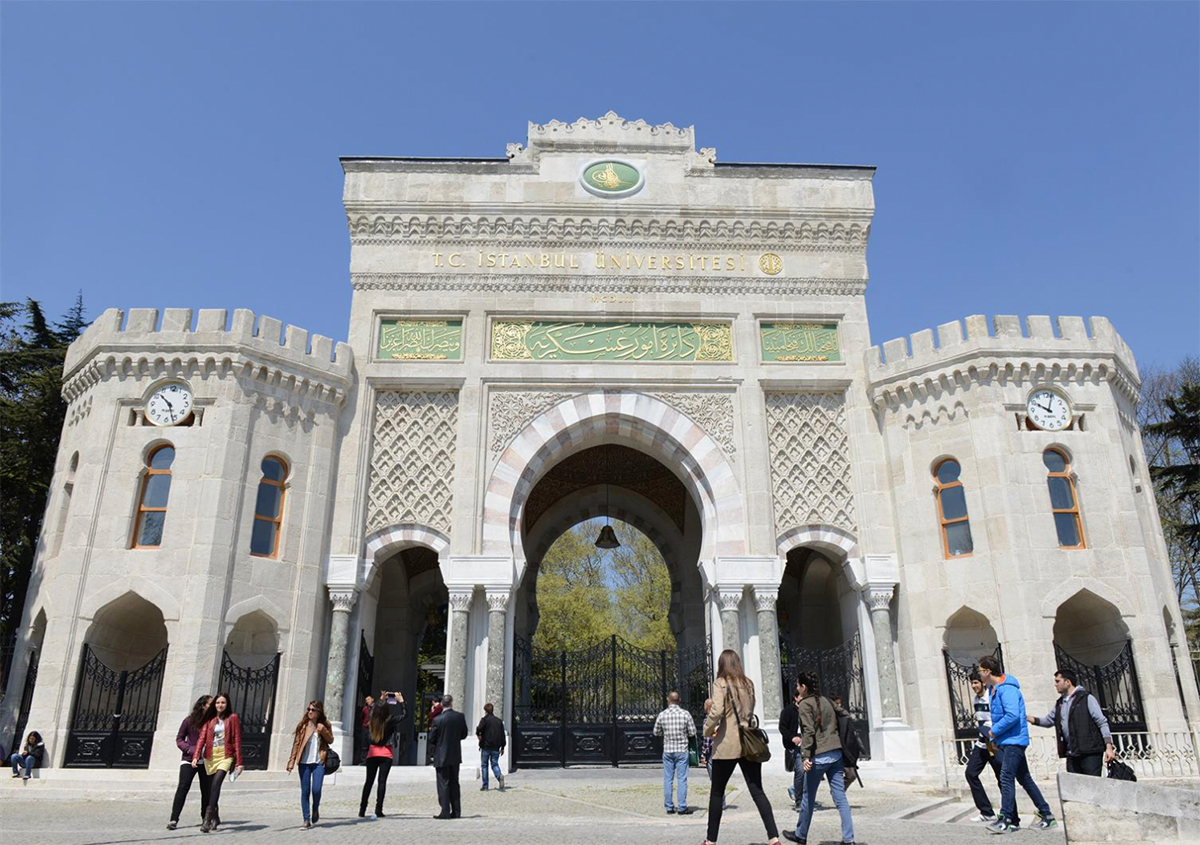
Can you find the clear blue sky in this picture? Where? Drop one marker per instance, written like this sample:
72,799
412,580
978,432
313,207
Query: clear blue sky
1033,157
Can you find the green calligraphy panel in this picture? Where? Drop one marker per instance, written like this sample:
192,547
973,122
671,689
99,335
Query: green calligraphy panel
793,342
588,340
420,340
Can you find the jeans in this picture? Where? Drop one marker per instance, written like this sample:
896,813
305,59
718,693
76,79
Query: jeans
490,757
675,770
27,761
1087,764
1014,770
722,770
312,775
978,761
186,775
829,765
798,775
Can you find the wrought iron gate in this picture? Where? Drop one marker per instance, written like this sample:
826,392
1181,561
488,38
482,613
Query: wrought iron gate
115,713
1115,686
26,700
252,694
962,698
598,704
366,676
839,671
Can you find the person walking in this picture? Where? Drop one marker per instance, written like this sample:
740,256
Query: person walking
981,751
310,744
491,745
219,746
186,738
789,730
1010,735
821,757
29,757
733,705
446,734
381,731
1080,726
676,726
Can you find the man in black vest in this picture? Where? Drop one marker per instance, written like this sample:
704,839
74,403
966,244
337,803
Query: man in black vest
1079,725
446,734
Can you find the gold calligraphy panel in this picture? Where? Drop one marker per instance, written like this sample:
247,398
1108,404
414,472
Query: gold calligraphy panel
793,342
589,340
421,340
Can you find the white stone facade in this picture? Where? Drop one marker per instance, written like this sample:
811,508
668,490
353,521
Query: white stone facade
810,487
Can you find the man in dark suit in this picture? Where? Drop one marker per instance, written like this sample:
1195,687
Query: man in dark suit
446,734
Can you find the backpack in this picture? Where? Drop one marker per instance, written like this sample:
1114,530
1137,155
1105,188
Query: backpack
1121,771
851,747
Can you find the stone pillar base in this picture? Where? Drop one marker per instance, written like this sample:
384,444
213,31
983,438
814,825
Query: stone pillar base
343,743
895,742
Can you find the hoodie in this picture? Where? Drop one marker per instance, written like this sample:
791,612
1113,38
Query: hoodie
1008,713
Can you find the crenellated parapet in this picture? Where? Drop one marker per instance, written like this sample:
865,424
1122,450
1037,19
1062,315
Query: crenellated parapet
918,366
313,368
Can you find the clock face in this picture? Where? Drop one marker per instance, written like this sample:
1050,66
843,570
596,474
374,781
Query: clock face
1048,409
170,404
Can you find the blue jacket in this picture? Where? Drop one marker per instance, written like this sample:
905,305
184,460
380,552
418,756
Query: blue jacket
1008,713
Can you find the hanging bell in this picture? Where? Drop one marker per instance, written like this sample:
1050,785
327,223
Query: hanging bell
607,539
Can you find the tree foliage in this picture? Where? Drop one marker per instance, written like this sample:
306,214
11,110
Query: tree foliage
31,419
585,594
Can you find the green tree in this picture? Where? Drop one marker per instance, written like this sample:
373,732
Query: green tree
31,418
642,594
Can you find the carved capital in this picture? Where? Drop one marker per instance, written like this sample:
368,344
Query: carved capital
879,597
764,600
342,600
497,600
460,600
730,600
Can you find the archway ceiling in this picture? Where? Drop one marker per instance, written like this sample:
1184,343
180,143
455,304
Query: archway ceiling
619,466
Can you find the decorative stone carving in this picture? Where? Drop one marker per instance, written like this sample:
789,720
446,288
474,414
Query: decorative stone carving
730,600
810,460
713,412
514,150
764,600
509,411
460,600
524,283
342,600
497,602
879,598
412,459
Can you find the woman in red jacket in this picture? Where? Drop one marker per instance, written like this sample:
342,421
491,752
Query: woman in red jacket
220,747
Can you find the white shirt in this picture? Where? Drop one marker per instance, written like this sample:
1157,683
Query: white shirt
219,734
312,750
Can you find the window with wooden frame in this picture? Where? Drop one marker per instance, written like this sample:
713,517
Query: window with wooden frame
1064,503
152,503
268,509
952,510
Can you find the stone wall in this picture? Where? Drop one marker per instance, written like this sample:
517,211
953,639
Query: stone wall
1102,810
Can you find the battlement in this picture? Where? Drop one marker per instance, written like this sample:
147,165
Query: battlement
1008,338
265,338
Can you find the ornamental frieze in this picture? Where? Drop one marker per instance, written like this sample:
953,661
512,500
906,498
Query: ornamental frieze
650,285
616,341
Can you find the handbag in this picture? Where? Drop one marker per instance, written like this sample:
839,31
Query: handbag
333,761
754,739
693,753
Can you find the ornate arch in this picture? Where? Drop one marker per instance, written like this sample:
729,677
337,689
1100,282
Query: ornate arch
824,537
1066,590
247,606
380,544
141,587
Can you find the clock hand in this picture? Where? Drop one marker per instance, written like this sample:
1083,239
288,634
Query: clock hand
1045,408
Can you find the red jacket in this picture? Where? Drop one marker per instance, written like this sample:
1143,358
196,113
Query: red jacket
233,740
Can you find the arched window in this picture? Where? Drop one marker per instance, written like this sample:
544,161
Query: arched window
952,510
268,510
1063,501
152,505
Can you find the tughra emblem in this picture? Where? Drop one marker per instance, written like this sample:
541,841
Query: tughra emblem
770,263
608,178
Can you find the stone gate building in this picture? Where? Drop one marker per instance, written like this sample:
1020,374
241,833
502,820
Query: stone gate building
605,321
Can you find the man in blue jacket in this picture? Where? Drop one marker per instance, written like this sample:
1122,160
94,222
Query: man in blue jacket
1010,733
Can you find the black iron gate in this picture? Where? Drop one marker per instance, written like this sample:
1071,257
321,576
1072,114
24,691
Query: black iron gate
839,672
597,705
1115,685
252,694
962,697
26,700
115,713
363,688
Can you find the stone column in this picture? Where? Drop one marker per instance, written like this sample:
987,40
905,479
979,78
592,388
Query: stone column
497,602
879,598
768,648
456,655
731,630
339,653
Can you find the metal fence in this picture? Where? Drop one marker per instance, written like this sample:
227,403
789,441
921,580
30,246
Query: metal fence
1151,754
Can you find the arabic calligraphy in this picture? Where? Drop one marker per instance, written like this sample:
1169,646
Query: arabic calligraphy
421,340
784,342
538,340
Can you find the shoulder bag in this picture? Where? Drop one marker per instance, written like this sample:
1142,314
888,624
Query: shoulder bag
754,739
333,761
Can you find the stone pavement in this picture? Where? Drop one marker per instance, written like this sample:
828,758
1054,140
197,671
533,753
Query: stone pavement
548,806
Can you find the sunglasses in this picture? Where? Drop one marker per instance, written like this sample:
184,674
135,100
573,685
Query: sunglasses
313,710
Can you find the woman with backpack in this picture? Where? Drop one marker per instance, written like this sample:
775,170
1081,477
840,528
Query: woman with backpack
732,709
310,746
821,753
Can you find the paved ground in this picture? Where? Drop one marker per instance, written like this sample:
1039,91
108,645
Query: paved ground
600,805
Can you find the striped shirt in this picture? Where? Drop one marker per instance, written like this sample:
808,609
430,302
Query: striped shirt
674,725
983,718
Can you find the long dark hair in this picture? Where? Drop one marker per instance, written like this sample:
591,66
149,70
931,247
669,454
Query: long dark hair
196,719
210,712
322,720
33,739
729,667
380,713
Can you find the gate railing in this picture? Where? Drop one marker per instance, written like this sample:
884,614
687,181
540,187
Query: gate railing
962,697
1115,685
839,671
1151,754
253,694
115,713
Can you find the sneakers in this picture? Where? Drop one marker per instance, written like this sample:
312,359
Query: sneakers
1000,826
483,788
501,780
985,819
792,795
1045,822
171,825
686,811
670,811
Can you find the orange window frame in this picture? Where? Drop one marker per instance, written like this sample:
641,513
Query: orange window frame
1074,509
276,520
942,521
142,508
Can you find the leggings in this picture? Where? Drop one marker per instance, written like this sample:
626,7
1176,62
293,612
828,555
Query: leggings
752,772
186,775
214,790
383,765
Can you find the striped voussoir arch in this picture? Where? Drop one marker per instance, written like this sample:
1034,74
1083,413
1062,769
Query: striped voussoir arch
615,416
395,536
818,536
